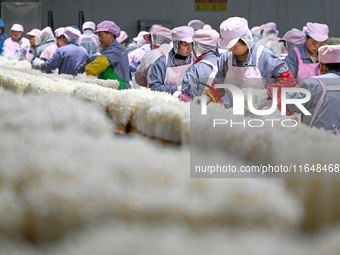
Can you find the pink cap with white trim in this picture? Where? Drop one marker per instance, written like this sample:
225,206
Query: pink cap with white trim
196,24
231,31
329,54
34,32
294,36
319,32
183,33
269,27
71,34
256,30
158,30
59,31
89,25
140,36
17,27
123,36
45,32
207,26
206,36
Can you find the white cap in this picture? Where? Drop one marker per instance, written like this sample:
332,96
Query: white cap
89,25
17,27
34,32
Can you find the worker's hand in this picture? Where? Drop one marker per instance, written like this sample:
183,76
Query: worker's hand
97,66
37,63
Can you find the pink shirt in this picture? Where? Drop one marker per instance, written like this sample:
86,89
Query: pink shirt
14,50
48,52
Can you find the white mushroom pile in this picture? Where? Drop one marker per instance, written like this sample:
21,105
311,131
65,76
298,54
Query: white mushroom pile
25,65
68,185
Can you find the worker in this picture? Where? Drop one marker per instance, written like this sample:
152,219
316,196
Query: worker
256,32
271,39
50,50
88,39
123,38
293,38
17,46
3,35
66,58
251,63
47,38
303,61
136,55
34,37
160,39
112,62
324,104
204,70
168,70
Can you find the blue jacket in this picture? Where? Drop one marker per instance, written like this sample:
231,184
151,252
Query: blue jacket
88,41
67,59
118,59
270,65
329,112
158,73
292,59
197,74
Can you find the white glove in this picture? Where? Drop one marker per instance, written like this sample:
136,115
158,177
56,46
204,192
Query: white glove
37,63
179,88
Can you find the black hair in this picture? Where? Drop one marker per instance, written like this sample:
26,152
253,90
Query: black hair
127,40
242,42
333,66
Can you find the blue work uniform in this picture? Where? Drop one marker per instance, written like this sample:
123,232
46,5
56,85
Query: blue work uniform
158,72
67,59
329,113
292,59
198,74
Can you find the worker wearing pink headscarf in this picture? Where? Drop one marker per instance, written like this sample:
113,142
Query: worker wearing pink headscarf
250,65
88,39
202,73
324,104
160,39
112,61
293,38
303,61
66,58
271,39
168,71
34,37
50,50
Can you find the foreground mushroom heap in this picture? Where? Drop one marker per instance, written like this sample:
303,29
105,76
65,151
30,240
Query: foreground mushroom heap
68,185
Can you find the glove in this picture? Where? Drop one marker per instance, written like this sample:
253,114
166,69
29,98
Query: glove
259,96
37,63
81,69
184,97
97,66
